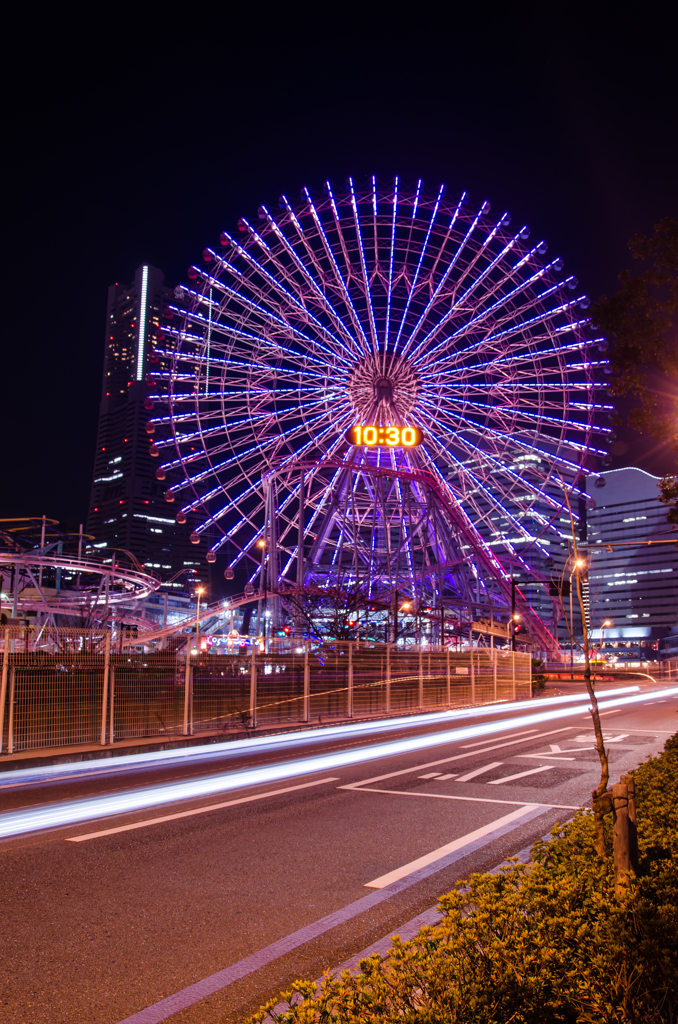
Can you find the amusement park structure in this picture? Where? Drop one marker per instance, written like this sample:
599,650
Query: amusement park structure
53,579
386,391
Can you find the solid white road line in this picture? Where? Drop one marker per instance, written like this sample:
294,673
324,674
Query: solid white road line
405,932
651,732
216,982
457,844
195,810
479,771
520,775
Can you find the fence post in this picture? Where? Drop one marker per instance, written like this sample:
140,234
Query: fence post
350,680
3,686
622,851
10,730
104,695
187,686
449,695
111,676
388,679
513,667
473,667
421,678
253,688
307,685
494,671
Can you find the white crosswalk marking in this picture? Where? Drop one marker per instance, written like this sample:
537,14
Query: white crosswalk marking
520,775
479,771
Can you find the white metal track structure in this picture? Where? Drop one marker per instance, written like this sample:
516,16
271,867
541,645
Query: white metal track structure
381,305
64,585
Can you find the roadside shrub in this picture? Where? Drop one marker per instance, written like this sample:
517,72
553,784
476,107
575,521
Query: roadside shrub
547,943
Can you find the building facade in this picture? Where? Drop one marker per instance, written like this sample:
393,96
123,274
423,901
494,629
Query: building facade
537,568
633,585
128,509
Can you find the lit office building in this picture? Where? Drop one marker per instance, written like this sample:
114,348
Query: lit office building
632,585
127,505
537,564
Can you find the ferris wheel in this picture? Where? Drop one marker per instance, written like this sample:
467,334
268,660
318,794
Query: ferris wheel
379,385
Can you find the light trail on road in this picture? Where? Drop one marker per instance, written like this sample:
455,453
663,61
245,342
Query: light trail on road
210,751
72,812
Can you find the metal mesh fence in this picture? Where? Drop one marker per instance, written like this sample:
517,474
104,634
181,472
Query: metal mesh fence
68,687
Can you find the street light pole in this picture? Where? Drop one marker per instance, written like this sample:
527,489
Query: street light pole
513,614
578,564
199,591
260,625
603,626
571,631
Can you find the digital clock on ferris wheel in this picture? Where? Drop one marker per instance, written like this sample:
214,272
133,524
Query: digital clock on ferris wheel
387,437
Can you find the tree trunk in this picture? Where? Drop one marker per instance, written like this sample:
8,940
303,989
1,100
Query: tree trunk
600,806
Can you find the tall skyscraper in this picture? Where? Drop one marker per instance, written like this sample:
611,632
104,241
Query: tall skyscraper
127,505
632,585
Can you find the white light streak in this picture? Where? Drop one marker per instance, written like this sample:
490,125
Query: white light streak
58,815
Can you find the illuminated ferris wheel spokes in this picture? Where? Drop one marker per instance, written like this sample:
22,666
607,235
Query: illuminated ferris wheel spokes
379,308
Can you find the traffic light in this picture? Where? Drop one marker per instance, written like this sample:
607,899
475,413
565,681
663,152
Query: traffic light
351,623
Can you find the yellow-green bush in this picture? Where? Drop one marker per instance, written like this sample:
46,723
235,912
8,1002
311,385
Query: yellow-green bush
538,945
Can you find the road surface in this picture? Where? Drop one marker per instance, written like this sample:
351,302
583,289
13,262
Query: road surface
193,885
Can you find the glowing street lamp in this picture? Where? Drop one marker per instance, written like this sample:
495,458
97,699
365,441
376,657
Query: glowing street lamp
605,625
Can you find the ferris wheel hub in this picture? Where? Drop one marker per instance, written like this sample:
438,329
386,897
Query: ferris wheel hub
383,387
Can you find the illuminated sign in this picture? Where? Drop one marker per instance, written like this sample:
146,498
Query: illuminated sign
387,437
230,640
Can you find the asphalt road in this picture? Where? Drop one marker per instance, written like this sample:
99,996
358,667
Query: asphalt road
99,929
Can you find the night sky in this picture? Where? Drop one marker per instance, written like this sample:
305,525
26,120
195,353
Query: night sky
137,141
